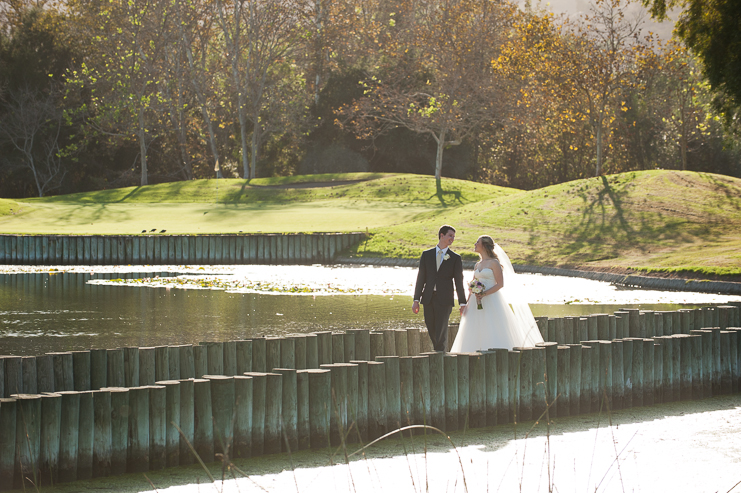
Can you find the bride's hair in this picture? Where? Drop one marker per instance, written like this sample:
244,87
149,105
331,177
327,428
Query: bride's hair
488,244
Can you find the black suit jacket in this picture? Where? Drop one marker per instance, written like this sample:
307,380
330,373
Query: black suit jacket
429,277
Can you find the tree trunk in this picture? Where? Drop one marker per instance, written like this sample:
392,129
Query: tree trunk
255,147
439,156
598,146
143,147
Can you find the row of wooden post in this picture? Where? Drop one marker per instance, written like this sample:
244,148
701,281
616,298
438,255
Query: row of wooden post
103,412
173,249
70,435
134,366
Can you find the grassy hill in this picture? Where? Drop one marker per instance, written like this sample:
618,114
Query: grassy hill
652,221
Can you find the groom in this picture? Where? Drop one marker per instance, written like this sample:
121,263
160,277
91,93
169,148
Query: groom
438,268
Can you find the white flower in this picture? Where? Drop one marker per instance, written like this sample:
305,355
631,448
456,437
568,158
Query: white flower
446,256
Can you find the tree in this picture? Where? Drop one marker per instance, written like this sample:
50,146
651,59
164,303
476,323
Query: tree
31,126
710,29
440,82
260,37
122,73
599,65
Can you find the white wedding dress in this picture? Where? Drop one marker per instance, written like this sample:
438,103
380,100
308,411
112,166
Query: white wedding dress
497,325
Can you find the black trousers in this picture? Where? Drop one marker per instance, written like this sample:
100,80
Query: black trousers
436,319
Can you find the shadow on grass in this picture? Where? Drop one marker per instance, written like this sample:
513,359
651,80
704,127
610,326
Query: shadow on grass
610,222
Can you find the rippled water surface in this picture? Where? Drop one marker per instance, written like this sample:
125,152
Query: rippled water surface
43,310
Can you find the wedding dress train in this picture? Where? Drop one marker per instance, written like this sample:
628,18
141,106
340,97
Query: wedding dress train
497,324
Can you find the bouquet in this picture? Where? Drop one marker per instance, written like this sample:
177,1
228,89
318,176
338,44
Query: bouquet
477,287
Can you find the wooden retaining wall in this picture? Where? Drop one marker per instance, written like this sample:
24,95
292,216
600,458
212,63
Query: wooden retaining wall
174,249
74,415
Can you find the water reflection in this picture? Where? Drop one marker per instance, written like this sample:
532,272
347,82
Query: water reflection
48,311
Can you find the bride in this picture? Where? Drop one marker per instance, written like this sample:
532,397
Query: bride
495,325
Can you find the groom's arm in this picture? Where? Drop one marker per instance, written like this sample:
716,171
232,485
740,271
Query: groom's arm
421,279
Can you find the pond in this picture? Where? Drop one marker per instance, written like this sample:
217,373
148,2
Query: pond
45,309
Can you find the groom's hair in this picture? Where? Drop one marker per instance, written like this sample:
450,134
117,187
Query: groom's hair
444,230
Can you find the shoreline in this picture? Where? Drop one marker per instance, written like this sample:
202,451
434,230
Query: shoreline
629,280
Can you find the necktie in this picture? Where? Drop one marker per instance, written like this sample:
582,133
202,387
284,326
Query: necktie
439,258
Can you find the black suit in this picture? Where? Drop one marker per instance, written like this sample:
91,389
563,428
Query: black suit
434,290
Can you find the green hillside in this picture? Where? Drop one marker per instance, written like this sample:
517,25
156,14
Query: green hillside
666,221
653,220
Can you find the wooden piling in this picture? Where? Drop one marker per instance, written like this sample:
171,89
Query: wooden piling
63,370
463,391
338,348
215,357
131,366
319,406
637,372
349,346
28,439
259,362
376,345
289,409
539,382
147,366
312,351
477,390
29,375
222,406
575,355
44,375
259,389
272,353
187,421
421,390
138,446
244,356
684,363
393,391
502,378
302,409
563,355
119,429
157,427
648,372
585,401
363,345
203,425
115,370
161,363
172,421
69,436
526,382
242,417
450,369
406,389
51,414
389,342
697,365
8,423
513,382
324,347
288,353
361,411
551,368
437,388
726,385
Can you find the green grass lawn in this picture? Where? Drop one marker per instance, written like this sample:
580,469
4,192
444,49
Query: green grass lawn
651,221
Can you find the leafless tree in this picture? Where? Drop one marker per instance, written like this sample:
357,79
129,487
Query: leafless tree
31,127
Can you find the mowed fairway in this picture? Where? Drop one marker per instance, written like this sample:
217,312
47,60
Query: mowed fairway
318,203
184,218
